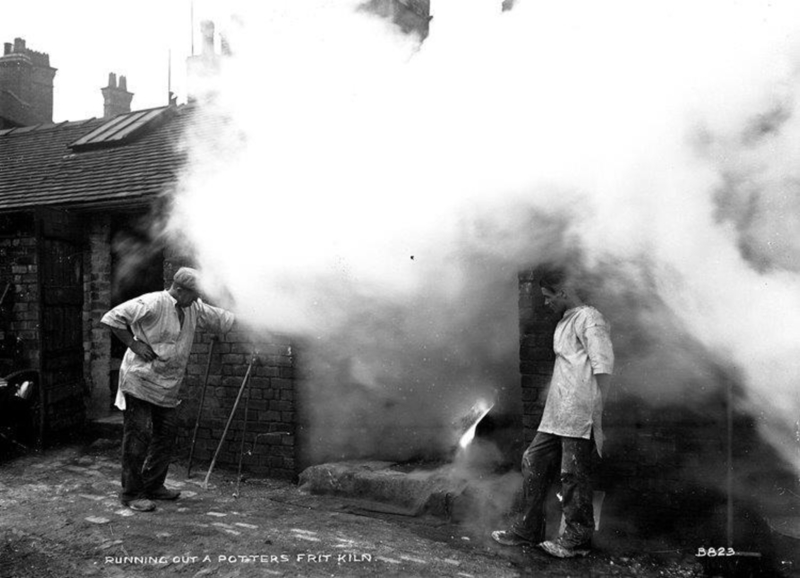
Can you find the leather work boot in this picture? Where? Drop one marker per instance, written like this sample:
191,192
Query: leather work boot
140,505
163,493
559,550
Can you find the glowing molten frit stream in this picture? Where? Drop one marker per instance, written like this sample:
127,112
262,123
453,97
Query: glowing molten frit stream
481,408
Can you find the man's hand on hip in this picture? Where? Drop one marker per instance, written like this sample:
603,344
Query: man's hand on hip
143,350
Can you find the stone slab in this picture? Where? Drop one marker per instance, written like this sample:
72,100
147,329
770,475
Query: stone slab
444,491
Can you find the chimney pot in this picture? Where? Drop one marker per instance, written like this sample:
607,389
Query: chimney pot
8,47
112,80
19,45
123,83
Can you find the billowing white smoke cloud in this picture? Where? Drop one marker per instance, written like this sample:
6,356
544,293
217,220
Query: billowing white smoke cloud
378,195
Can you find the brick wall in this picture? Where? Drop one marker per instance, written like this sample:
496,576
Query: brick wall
18,266
270,432
21,248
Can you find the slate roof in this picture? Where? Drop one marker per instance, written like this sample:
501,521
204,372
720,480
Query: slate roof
38,169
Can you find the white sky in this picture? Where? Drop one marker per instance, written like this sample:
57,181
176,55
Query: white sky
87,39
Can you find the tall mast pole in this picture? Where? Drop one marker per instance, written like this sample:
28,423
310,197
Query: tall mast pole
191,22
169,77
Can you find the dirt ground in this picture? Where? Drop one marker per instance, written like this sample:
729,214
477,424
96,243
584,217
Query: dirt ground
61,518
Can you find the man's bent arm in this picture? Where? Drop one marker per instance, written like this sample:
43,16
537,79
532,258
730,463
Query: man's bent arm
140,348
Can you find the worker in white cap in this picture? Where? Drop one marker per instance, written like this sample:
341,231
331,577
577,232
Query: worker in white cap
158,329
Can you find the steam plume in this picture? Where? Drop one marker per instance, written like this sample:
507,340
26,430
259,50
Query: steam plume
378,195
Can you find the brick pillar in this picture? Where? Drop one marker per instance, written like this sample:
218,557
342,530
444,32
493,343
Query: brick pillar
536,329
97,291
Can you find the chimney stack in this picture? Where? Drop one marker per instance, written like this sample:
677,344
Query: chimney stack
116,98
203,68
26,86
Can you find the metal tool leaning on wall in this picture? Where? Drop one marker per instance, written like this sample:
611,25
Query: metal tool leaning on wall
244,391
159,329
200,409
245,382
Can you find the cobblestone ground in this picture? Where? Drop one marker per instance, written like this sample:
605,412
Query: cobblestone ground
61,519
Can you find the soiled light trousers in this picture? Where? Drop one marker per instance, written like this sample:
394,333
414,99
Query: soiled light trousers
546,457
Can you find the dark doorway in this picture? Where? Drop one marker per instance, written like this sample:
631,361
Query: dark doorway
61,326
137,267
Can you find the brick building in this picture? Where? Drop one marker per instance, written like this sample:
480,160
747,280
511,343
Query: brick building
80,204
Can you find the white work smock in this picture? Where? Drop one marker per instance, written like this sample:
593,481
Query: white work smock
574,406
153,319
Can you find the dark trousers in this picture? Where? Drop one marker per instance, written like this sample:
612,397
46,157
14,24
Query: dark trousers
149,433
540,465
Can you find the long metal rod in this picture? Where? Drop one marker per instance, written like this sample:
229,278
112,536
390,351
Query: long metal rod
200,409
730,464
5,292
230,419
244,435
13,441
169,77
